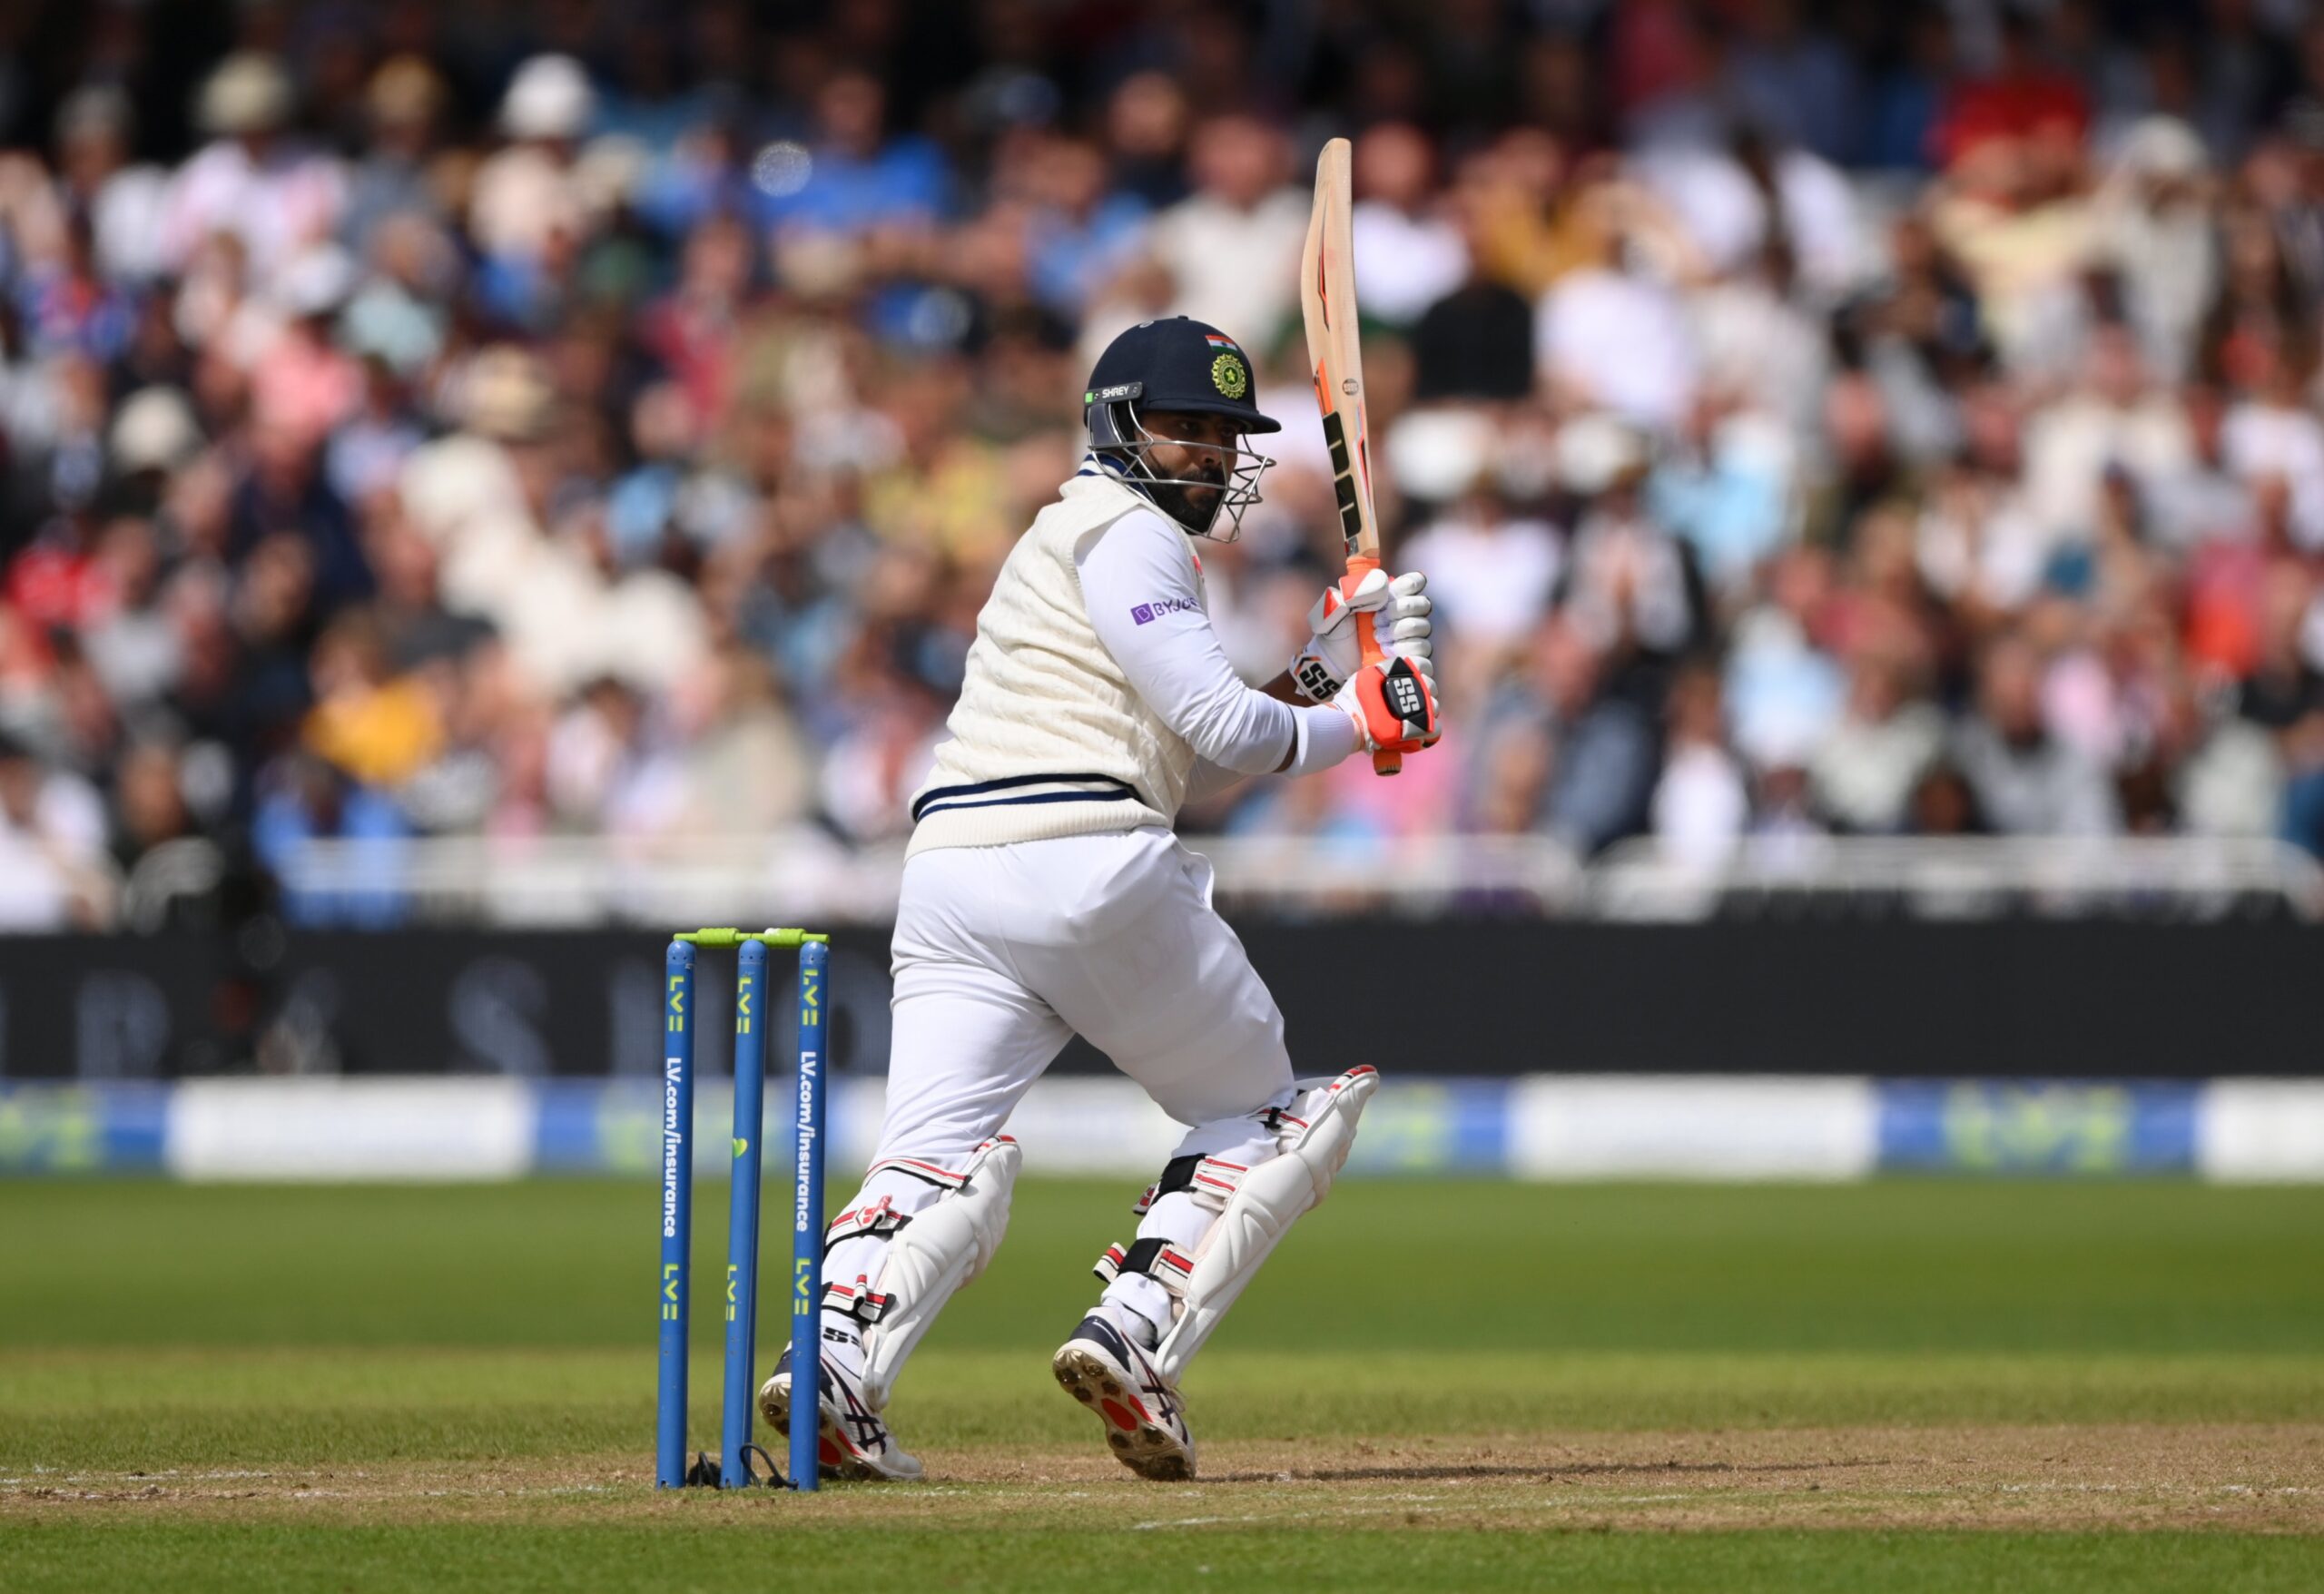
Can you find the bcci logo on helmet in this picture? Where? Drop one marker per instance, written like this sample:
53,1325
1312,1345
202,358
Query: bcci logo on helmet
1227,375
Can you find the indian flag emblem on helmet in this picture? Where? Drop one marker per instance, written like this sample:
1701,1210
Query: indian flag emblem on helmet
1228,376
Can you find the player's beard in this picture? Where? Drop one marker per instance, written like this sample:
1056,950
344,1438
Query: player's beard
1192,498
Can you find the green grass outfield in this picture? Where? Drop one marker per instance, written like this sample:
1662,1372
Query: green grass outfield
1905,1384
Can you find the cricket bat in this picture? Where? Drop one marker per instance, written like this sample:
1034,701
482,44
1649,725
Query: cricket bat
1327,300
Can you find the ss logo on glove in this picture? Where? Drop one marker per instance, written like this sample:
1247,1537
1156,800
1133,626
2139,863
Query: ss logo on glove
1394,707
1407,698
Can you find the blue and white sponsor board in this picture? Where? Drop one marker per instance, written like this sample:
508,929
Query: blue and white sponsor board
83,1128
2038,1126
1536,1127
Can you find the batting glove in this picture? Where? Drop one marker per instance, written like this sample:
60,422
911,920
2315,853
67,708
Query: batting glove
1394,706
1403,626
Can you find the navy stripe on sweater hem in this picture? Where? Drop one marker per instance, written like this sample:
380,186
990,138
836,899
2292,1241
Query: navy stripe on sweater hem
1038,797
1010,782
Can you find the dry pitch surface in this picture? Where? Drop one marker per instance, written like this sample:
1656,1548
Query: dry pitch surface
1902,1386
2249,1478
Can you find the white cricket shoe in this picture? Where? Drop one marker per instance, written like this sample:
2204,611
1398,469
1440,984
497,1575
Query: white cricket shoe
1146,1421
850,1441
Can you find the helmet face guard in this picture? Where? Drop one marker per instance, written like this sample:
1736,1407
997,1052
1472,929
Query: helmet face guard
1118,433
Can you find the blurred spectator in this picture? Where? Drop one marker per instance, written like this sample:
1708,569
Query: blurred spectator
1889,422
856,176
1490,571
254,183
1082,233
2115,421
1726,491
1886,743
1407,257
2025,98
2154,216
1701,805
402,104
51,845
1604,771
1904,104
530,198
306,801
97,178
149,808
1630,585
1230,250
2027,781
1794,81
1609,333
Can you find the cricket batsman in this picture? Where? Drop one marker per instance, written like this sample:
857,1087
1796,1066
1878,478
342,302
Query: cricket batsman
1045,894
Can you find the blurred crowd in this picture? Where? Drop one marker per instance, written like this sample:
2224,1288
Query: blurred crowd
547,416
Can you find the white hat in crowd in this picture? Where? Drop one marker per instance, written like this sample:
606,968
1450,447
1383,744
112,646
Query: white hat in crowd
2164,147
155,430
1596,451
507,394
317,282
549,97
249,92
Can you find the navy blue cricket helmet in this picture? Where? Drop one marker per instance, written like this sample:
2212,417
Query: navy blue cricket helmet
1178,366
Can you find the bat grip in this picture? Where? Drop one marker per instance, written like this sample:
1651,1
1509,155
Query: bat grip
1367,641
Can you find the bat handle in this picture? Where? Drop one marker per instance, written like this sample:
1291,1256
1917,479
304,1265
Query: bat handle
1367,641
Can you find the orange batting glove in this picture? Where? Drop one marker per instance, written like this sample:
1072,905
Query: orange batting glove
1394,707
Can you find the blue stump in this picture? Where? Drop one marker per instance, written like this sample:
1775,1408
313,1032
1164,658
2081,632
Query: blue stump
807,1219
677,1212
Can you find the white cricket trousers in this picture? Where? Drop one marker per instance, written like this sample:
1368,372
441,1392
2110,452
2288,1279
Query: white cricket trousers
1002,954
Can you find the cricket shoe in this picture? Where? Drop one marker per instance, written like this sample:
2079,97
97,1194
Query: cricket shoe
1146,1421
851,1440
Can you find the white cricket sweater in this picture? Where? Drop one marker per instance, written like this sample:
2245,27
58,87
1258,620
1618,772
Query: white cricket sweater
1071,725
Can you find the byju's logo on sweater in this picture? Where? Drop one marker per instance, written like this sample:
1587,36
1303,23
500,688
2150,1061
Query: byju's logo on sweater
1160,606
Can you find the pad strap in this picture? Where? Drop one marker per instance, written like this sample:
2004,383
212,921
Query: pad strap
878,1217
1159,1259
1217,1179
866,1307
1213,1180
1280,1120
